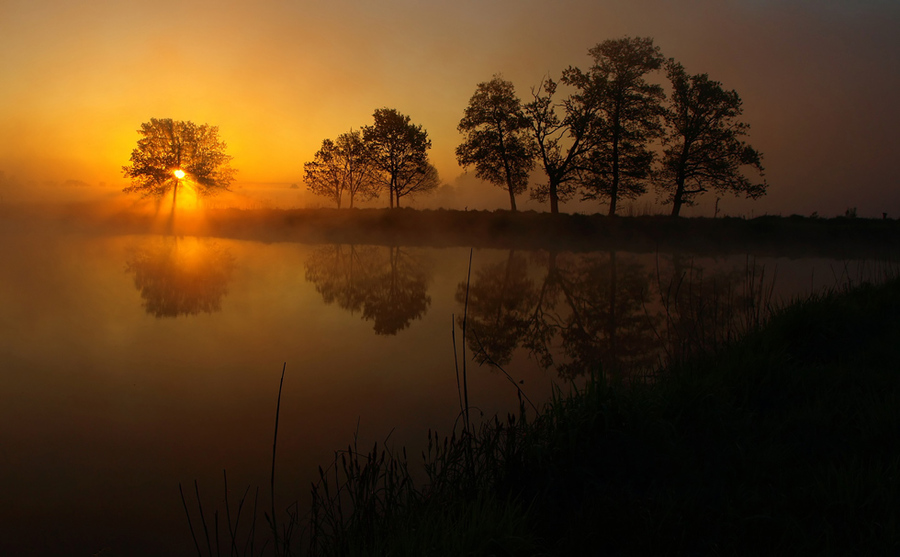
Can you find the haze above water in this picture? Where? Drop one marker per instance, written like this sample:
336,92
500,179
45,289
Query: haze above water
134,362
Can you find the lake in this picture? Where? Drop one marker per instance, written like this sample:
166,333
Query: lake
130,363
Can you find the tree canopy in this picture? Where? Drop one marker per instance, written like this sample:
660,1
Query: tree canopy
605,133
167,146
397,149
564,135
496,138
342,167
619,165
703,148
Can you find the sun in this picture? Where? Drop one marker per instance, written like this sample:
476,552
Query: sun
179,173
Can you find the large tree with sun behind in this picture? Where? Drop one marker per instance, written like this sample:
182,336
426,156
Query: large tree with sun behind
171,153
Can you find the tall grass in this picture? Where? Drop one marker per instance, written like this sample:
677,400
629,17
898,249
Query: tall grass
771,432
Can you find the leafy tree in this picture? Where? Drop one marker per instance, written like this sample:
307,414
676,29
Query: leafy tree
423,179
703,148
564,135
167,146
496,140
342,166
631,110
398,151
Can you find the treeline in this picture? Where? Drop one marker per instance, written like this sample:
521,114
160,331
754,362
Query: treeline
612,137
389,156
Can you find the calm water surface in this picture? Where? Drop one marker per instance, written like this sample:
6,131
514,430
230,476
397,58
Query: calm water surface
129,364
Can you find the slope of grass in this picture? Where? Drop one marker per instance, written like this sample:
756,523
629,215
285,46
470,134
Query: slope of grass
783,443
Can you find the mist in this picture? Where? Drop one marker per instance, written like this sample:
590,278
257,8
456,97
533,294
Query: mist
815,79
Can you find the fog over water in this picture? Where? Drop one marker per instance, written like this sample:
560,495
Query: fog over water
133,362
141,343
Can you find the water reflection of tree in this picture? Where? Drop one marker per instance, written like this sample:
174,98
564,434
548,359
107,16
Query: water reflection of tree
337,271
388,285
606,327
499,312
587,314
703,307
180,276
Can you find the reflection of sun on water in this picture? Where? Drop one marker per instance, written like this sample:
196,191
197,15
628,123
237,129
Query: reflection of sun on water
180,275
189,253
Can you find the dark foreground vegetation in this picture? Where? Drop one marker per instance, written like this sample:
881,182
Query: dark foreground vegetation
781,443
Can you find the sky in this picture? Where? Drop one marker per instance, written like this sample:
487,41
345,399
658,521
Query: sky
818,78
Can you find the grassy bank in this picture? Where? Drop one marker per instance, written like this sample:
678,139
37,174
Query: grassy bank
783,443
840,237
772,235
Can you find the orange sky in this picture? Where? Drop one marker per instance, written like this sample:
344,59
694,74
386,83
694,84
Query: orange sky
818,78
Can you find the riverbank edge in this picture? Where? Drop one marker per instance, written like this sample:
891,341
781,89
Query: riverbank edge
793,236
781,443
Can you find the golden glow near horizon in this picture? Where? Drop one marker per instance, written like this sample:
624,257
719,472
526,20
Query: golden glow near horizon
77,79
179,173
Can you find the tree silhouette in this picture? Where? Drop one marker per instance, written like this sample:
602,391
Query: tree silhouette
388,285
564,134
423,179
703,147
170,151
496,139
342,166
398,150
619,165
178,277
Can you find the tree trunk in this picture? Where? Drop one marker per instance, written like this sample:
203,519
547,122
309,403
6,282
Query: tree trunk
506,169
554,199
391,190
678,198
614,192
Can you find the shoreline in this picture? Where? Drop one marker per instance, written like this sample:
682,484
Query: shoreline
793,236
